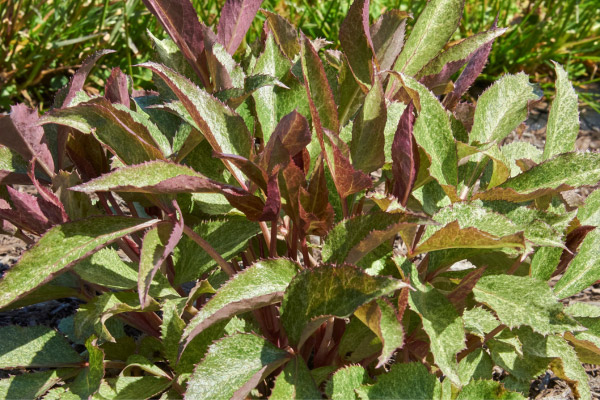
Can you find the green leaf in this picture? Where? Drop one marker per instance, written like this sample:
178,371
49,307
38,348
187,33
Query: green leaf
60,248
432,131
141,362
344,381
352,238
31,385
584,268
159,139
523,368
259,285
522,300
395,109
544,262
222,127
579,309
433,29
519,150
106,268
589,213
409,381
133,387
233,366
228,237
88,381
563,121
295,382
381,317
479,321
487,390
315,295
563,172
128,139
285,34
358,342
101,308
35,346
476,365
501,108
441,322
355,40
368,140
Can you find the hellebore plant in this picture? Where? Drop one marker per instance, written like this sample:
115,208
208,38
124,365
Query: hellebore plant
285,220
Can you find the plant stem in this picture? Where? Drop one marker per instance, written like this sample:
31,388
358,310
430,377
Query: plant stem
209,249
273,247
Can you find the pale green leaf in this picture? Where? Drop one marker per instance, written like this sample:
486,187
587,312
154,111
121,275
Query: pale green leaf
31,385
584,269
295,382
433,29
35,346
160,140
441,322
522,367
544,262
60,248
233,366
316,294
411,381
522,300
501,108
487,390
476,365
88,381
579,309
563,121
479,321
141,362
133,387
228,237
11,161
344,381
358,342
259,285
520,150
395,109
433,133
589,213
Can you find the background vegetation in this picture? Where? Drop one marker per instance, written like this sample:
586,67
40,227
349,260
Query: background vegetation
43,41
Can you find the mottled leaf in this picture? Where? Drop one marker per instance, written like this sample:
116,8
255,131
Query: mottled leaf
409,381
259,285
88,381
60,248
583,270
355,39
441,322
544,262
589,213
31,385
133,387
501,108
284,33
476,365
522,300
35,346
78,80
344,381
563,120
233,366
295,382
236,18
116,89
388,37
487,390
317,294
405,156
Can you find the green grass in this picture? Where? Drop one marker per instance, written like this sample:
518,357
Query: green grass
46,40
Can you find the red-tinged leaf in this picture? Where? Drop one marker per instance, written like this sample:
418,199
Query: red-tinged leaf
465,287
316,213
452,236
236,18
78,80
50,203
355,39
169,238
388,37
285,34
222,127
294,135
273,203
21,133
574,239
348,180
179,19
27,213
117,88
469,74
405,156
293,179
129,140
250,169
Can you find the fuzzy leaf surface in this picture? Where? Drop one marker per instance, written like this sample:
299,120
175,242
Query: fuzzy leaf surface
355,39
501,108
410,381
563,120
513,300
487,390
388,37
259,285
441,322
589,213
344,381
60,248
317,294
583,270
233,366
31,385
295,382
35,346
236,18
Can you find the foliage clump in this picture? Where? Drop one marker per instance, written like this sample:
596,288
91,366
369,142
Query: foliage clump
288,220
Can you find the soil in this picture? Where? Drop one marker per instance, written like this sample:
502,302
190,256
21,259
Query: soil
545,387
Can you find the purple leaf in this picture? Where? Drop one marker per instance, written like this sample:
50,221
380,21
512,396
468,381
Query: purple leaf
388,37
316,213
293,180
80,76
27,213
405,156
250,169
179,19
291,134
236,18
20,132
116,89
355,38
285,34
273,204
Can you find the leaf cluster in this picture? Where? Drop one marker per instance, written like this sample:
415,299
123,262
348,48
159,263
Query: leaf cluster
300,222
